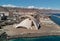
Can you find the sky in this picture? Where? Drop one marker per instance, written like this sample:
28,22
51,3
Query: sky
49,4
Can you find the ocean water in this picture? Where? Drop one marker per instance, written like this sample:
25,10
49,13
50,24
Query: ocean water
56,19
43,38
58,14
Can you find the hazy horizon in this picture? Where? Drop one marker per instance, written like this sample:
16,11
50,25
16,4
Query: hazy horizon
41,4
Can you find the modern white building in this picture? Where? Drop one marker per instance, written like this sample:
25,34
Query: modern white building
29,23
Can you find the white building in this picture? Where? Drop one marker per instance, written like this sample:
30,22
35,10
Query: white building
29,23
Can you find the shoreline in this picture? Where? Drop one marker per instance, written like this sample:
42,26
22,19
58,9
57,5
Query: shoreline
47,29
33,35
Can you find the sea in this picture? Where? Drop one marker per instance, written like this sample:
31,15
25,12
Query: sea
43,38
55,18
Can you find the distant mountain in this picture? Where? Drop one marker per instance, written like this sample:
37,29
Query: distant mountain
18,9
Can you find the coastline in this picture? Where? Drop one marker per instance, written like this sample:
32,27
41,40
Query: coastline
33,35
48,28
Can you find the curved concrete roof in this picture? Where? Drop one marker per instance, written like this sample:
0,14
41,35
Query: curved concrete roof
28,23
